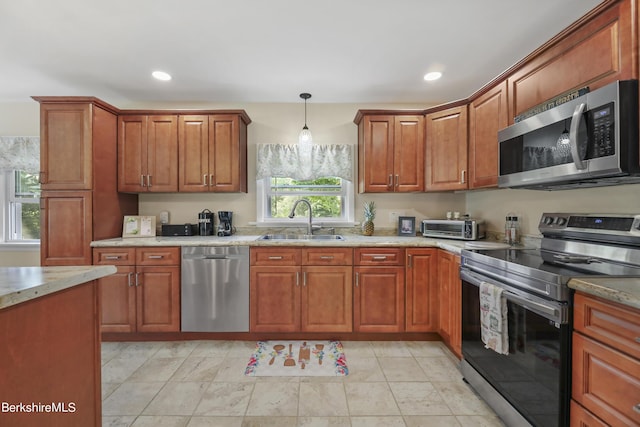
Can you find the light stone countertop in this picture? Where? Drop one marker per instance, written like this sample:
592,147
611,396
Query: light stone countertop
350,240
21,284
624,290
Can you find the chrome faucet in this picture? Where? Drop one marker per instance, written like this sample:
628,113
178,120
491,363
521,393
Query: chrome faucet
293,213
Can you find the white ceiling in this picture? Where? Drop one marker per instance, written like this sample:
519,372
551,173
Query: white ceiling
241,51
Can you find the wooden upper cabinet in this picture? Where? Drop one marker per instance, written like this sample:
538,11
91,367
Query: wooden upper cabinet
390,152
487,115
447,149
593,53
148,153
65,146
213,153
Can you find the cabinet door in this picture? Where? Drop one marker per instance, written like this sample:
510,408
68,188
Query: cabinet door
606,382
117,296
132,153
193,143
225,160
327,300
379,299
275,299
447,149
158,299
65,146
162,154
421,292
580,417
487,115
375,154
408,158
450,297
66,228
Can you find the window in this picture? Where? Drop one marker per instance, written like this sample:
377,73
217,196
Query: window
21,206
330,197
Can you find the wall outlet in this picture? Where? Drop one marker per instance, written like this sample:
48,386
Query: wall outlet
393,216
164,217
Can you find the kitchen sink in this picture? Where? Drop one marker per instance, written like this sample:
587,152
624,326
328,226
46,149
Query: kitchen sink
301,237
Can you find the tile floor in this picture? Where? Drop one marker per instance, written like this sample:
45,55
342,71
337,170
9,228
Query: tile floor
202,383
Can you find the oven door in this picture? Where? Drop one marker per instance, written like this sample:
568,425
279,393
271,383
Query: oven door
534,378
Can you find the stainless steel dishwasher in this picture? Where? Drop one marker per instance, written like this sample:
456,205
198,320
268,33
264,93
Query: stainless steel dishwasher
215,289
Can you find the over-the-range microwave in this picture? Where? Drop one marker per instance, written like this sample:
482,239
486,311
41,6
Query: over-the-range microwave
589,141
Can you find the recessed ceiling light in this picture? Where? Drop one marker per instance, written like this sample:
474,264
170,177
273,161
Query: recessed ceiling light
161,75
434,75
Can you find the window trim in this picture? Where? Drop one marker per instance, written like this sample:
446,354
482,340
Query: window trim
6,242
262,206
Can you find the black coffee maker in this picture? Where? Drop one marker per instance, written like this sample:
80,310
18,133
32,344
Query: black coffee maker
224,225
205,223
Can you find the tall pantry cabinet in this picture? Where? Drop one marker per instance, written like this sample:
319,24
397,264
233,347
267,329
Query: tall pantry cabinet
78,160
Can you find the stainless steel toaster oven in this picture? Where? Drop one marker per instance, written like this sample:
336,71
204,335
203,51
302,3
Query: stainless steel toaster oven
461,229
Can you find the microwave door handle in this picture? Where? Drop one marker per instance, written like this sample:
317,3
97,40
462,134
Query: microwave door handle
573,136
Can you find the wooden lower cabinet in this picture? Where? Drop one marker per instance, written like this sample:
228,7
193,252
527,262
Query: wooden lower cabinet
605,363
143,296
379,299
286,296
421,299
450,297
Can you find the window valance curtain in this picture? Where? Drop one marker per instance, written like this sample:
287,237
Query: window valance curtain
20,152
282,160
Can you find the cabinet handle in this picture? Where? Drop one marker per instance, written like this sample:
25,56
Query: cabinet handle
410,261
204,179
142,181
40,177
463,176
211,180
326,257
379,257
275,257
156,256
129,279
149,180
357,279
638,339
397,180
137,282
390,180
112,257
636,408
297,278
304,278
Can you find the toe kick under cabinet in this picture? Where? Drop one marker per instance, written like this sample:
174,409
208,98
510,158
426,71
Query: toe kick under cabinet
144,294
301,289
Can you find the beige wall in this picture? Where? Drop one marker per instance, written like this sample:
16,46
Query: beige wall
333,123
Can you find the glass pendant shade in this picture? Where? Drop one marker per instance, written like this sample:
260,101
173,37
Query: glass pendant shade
305,140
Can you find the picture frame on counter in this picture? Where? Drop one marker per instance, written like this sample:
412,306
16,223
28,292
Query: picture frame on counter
407,226
138,226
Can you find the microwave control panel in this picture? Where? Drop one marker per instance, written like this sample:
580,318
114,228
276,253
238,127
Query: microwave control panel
602,119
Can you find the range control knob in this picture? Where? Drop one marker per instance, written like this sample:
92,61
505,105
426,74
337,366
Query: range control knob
561,221
548,220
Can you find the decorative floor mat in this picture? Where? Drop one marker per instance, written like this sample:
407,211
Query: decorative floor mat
297,359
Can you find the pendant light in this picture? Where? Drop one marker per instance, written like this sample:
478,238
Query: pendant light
305,139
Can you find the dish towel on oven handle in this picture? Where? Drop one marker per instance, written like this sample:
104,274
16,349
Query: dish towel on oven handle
493,318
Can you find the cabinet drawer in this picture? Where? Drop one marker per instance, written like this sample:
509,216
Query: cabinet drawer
158,256
113,256
607,322
327,256
382,256
580,417
606,382
275,256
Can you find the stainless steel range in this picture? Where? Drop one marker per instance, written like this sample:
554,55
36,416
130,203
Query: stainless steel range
531,384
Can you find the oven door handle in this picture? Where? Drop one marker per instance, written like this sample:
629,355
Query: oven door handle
545,310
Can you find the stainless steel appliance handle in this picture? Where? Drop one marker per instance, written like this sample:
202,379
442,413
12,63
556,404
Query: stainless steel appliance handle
576,119
544,310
